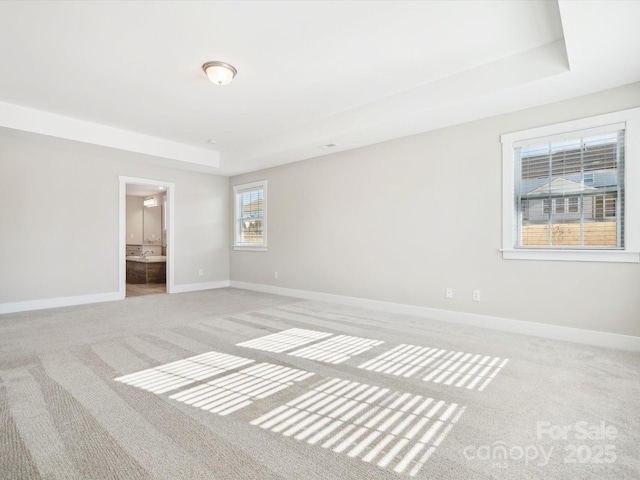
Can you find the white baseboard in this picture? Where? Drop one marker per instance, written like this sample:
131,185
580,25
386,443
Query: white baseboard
194,287
59,302
569,334
44,303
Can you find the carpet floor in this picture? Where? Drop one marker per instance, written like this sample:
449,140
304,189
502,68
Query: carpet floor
231,384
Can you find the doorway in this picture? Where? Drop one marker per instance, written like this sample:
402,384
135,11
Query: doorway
146,237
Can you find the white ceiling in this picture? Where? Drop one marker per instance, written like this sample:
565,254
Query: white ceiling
352,73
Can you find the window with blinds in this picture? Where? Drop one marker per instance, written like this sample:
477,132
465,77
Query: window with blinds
570,190
250,216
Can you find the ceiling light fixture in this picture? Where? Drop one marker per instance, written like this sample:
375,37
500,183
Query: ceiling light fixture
150,202
219,73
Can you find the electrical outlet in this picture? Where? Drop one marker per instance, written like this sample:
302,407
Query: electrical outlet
449,293
476,295
275,275
201,272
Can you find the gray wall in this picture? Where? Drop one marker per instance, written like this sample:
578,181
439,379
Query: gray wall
59,221
402,220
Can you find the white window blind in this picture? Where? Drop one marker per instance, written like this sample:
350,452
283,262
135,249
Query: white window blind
250,215
569,190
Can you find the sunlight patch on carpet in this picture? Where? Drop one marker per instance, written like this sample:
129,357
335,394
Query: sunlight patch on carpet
223,395
331,350
283,341
438,366
387,428
336,349
234,391
171,376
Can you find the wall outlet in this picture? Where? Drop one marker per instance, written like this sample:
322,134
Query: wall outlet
449,293
275,275
201,272
476,295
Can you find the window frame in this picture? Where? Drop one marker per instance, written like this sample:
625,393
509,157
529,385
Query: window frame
238,190
568,206
631,251
572,204
559,206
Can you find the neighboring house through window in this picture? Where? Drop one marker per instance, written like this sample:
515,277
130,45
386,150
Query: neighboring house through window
250,211
569,190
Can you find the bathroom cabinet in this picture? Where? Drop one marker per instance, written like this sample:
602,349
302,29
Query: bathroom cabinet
146,272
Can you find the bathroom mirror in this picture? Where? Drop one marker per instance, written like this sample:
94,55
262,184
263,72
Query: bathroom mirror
152,225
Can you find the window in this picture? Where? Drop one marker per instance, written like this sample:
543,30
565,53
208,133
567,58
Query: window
560,205
250,213
567,193
604,206
573,204
550,170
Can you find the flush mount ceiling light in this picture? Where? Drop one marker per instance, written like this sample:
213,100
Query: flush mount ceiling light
219,73
150,202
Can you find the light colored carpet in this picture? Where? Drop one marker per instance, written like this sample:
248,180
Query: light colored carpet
230,384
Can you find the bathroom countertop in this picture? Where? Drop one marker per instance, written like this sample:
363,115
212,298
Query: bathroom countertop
149,259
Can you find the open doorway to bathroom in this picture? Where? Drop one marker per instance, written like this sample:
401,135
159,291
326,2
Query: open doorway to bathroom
145,237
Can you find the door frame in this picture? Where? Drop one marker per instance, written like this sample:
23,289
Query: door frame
122,233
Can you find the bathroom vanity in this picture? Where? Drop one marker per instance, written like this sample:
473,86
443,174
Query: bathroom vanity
145,248
151,269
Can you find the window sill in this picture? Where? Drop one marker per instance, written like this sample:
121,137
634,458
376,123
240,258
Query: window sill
615,256
250,248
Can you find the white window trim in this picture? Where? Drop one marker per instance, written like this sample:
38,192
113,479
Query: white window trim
250,247
631,251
